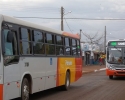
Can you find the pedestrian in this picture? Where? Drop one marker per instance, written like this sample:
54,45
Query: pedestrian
100,61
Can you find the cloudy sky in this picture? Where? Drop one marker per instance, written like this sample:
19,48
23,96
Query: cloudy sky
85,9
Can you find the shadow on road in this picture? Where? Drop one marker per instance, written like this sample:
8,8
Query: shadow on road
43,94
119,78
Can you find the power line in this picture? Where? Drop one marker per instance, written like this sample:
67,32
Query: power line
40,10
68,25
73,18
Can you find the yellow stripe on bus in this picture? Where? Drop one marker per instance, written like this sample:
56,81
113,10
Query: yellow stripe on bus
65,64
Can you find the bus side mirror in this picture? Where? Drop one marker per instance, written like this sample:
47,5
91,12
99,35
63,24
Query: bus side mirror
9,36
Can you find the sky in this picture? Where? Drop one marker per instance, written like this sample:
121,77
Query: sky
85,9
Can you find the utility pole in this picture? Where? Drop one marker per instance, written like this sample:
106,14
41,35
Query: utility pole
105,40
62,13
80,33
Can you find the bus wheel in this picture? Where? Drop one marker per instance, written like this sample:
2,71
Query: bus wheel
110,76
25,89
67,82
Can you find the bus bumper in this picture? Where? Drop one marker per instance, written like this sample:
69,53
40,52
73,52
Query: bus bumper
115,73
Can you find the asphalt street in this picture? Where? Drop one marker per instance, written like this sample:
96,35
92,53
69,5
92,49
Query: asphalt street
91,86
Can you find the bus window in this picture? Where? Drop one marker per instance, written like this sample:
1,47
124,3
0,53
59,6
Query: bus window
67,42
67,46
50,46
67,51
25,41
59,50
37,36
59,45
74,48
52,49
49,38
59,40
11,48
38,46
114,55
78,48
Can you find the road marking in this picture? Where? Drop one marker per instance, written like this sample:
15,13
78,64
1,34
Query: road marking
94,70
102,69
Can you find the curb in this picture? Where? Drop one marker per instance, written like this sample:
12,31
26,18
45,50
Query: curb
85,72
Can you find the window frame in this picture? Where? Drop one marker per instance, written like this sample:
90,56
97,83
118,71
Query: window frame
75,46
59,45
29,42
53,43
33,42
69,46
15,57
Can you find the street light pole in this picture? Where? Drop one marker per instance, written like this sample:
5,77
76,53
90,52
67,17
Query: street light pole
62,12
80,33
105,40
62,15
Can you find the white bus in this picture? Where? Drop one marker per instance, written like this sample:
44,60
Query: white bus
34,58
115,62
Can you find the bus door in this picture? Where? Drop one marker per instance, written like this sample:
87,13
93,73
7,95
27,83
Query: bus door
11,66
124,56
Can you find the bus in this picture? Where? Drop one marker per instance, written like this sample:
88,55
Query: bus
115,62
34,58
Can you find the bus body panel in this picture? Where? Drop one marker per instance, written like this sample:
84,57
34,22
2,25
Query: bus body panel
78,68
1,60
12,81
42,78
38,84
11,75
11,90
51,69
70,64
63,65
1,92
1,64
110,72
36,68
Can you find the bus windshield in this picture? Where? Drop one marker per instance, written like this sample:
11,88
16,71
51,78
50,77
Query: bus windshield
114,55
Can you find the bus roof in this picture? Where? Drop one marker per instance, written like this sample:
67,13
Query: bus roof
28,24
36,26
115,40
71,35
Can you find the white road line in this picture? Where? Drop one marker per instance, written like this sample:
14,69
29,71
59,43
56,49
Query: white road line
102,69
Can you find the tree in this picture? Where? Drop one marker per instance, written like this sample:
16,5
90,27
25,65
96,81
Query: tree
94,39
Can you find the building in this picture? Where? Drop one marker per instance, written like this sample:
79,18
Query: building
90,53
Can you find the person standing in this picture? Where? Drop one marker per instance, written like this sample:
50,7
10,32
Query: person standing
100,61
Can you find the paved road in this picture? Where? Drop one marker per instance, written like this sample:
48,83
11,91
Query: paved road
92,86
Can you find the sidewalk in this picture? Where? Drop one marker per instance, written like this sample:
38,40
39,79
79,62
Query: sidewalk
93,68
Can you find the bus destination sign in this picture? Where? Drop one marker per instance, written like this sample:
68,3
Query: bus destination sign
117,43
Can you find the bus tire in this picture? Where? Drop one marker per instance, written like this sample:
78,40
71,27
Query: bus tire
67,82
110,76
25,89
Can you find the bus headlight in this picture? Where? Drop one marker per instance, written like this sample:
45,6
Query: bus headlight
111,67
